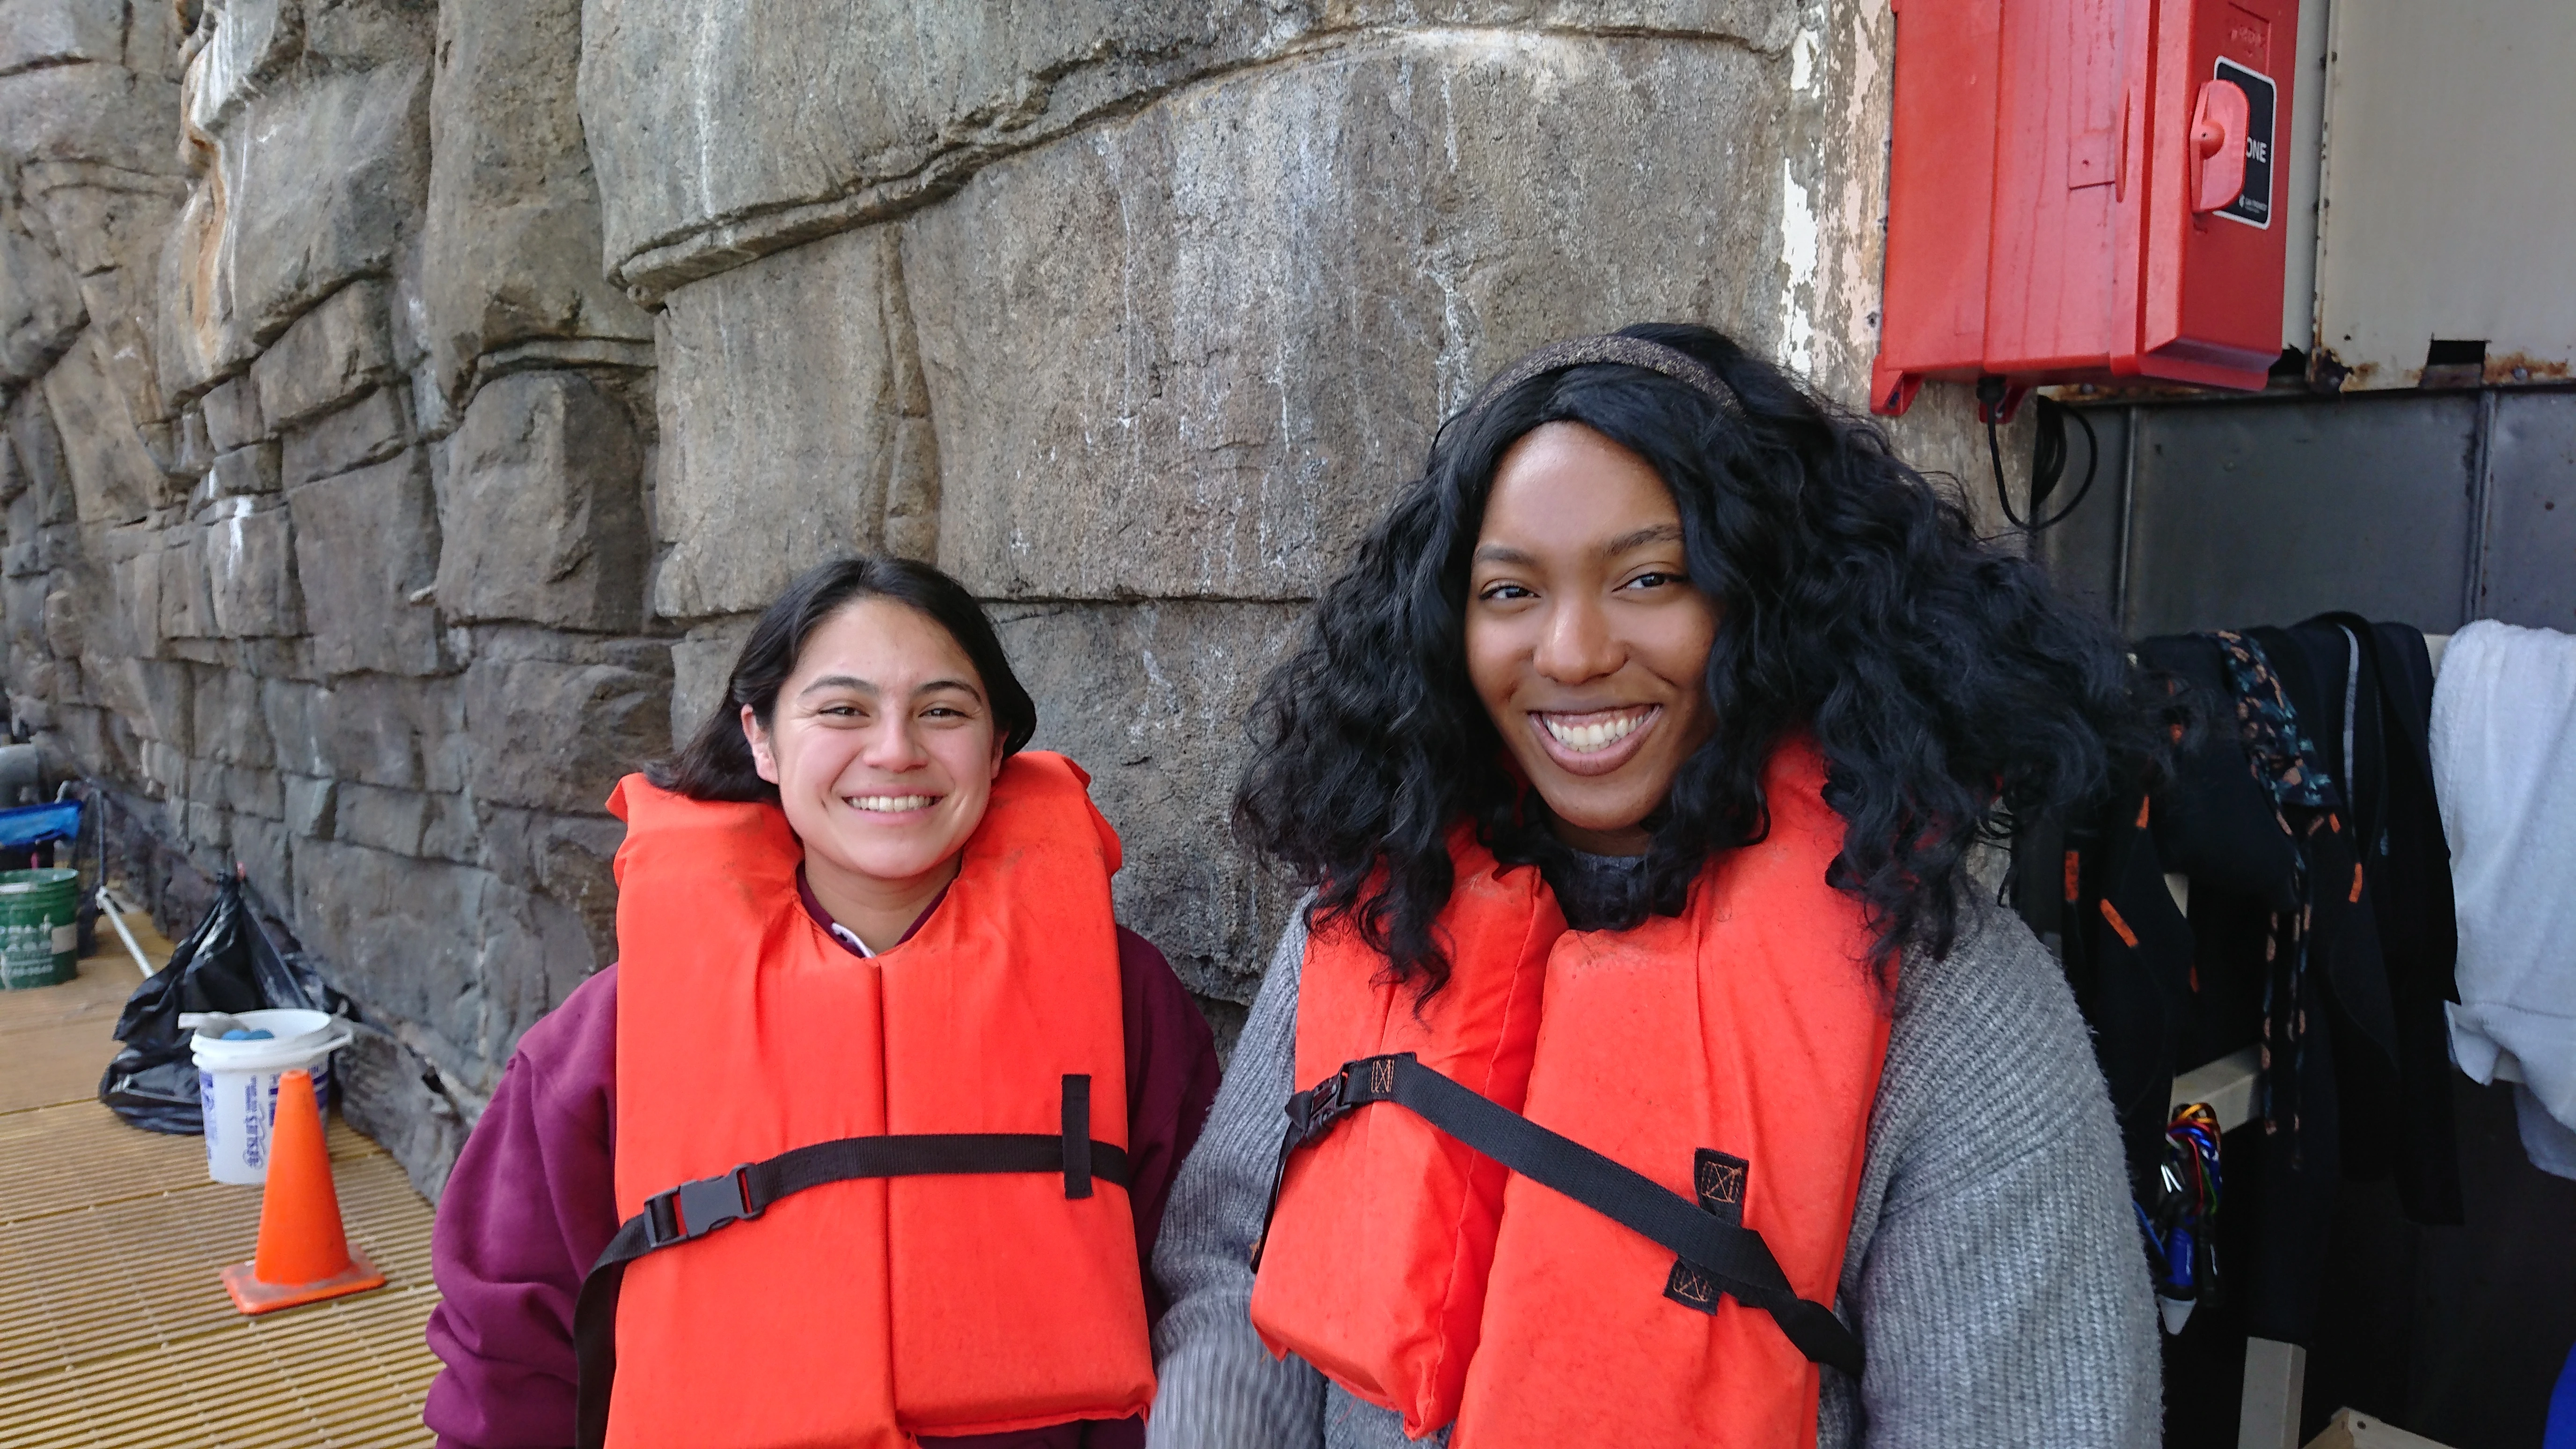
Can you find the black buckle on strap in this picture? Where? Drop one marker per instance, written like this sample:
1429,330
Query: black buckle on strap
702,1206
1312,1113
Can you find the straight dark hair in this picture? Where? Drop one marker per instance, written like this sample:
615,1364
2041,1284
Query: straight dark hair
716,763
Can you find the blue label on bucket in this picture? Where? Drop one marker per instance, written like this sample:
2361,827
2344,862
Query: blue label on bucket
255,1115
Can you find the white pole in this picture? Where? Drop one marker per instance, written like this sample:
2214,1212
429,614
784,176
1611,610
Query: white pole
107,907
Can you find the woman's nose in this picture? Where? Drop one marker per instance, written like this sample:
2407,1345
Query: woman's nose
1576,643
891,746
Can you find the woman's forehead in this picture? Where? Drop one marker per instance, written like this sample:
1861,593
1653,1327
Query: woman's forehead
886,645
1564,486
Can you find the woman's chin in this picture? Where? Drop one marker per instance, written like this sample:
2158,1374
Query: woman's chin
891,862
883,854
1600,827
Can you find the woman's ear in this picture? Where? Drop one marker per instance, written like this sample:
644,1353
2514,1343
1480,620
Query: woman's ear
1001,753
763,759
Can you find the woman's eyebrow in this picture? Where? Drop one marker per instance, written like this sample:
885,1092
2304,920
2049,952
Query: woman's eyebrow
1502,554
852,681
1654,533
838,681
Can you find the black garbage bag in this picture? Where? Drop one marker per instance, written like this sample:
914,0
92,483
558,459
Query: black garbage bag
227,964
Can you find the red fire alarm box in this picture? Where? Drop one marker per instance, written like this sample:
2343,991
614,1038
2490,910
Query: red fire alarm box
2085,190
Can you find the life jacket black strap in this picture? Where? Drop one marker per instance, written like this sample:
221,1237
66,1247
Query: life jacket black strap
696,1208
1731,1256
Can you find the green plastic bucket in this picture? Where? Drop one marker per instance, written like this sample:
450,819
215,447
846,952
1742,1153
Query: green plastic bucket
39,927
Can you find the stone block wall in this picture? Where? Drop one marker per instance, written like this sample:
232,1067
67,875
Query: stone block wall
407,404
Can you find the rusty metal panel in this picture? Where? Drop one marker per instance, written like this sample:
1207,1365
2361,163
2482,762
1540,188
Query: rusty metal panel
2529,573
2268,512
2448,202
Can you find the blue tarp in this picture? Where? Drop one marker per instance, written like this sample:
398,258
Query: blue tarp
35,824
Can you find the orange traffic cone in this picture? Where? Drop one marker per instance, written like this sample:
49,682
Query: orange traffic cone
304,1257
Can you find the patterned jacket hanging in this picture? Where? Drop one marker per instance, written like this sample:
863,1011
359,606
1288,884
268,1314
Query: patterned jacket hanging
2305,801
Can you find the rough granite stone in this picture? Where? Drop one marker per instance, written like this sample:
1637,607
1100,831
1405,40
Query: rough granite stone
209,828
574,728
106,221
187,602
93,112
1307,273
1151,699
936,92
385,1092
109,223
784,384
700,666
37,33
373,428
37,450
314,183
312,806
249,49
292,710
40,302
378,729
250,570
384,819
511,248
365,544
407,937
231,409
196,450
567,858
229,724
25,596
244,471
136,620
332,353
66,623
541,514
238,790
112,474
927,84
158,699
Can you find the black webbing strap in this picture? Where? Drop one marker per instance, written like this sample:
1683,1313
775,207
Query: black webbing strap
695,1209
1733,1257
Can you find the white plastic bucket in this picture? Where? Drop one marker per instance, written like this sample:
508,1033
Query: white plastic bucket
237,1083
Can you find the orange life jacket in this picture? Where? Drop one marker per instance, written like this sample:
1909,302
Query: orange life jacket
1730,1055
864,1312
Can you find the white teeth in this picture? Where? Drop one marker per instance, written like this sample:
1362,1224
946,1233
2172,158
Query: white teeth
892,804
1587,738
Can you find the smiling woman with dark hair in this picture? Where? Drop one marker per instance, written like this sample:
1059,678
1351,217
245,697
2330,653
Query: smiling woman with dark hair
1665,1079
865,1138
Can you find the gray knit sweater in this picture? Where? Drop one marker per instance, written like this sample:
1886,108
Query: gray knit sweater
1994,1274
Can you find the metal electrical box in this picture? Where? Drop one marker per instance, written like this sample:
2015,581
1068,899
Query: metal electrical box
2086,190
2449,196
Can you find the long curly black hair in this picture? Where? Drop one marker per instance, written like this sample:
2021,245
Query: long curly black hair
1951,690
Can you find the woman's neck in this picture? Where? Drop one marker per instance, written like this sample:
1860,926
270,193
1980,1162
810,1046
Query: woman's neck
876,910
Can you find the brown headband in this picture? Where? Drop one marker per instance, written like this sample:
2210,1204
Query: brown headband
1628,352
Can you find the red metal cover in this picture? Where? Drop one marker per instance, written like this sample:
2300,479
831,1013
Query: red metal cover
2212,305
2042,184
1940,201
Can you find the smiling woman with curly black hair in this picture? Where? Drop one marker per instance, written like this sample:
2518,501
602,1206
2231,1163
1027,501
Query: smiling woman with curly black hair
1666,1080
